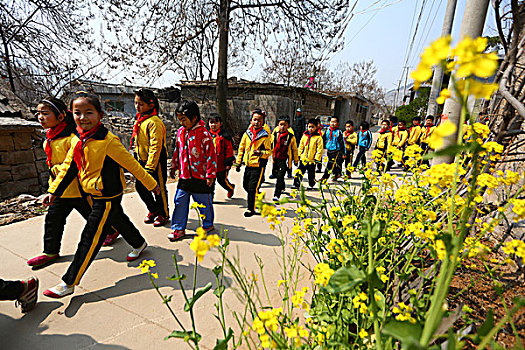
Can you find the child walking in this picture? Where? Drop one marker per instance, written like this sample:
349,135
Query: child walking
350,137
310,152
254,150
414,133
364,141
224,151
383,143
284,153
96,158
54,116
399,139
334,143
148,142
195,159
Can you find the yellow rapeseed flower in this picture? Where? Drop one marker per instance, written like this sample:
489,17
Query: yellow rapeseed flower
200,247
444,94
145,265
443,130
213,240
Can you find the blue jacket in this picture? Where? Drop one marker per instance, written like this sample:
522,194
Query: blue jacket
336,142
364,139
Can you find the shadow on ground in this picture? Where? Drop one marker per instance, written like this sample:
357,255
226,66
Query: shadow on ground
140,282
26,332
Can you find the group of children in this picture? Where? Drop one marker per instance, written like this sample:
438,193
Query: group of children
86,163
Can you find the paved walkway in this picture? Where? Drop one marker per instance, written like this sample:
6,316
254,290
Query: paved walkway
115,307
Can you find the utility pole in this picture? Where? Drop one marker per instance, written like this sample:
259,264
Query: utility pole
471,26
437,80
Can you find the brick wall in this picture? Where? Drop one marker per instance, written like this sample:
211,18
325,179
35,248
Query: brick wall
22,163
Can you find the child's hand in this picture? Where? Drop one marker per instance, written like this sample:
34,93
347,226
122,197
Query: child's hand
209,182
48,199
228,167
156,190
344,157
172,171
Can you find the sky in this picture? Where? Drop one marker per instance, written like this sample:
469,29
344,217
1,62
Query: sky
382,33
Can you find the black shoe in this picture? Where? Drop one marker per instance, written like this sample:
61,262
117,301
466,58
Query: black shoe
249,213
294,187
272,176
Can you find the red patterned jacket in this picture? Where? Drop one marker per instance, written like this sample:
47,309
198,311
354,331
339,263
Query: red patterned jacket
223,148
194,154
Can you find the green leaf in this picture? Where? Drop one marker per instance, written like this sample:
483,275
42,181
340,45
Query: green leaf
374,280
177,278
407,333
188,305
194,337
217,270
218,292
222,344
486,327
345,279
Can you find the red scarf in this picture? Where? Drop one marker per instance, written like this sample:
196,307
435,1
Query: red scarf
428,129
52,134
399,128
348,133
136,126
331,131
78,154
382,131
280,139
308,135
217,140
254,135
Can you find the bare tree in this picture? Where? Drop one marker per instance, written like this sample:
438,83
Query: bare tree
43,44
162,32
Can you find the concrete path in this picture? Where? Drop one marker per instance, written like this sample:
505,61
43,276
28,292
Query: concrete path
115,307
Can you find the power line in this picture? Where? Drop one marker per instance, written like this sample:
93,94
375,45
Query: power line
422,41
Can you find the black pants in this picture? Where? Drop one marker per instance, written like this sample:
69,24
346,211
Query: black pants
348,160
253,177
56,220
105,212
280,167
303,167
361,157
335,161
10,290
319,167
156,203
222,179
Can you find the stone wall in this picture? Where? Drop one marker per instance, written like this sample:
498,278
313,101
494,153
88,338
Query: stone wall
121,124
22,163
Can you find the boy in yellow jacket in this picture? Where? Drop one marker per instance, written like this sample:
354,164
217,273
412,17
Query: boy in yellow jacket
414,133
254,150
399,139
310,153
284,153
350,137
384,142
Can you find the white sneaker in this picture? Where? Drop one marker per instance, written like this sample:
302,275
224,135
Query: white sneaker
59,291
135,253
275,199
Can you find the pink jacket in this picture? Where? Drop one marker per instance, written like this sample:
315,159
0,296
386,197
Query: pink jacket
194,154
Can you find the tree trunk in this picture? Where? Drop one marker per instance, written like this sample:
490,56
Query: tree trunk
222,69
7,61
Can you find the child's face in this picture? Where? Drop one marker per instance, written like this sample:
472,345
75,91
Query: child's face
415,122
143,107
349,128
384,125
85,114
312,128
47,118
428,122
401,124
215,125
186,122
257,121
283,126
334,123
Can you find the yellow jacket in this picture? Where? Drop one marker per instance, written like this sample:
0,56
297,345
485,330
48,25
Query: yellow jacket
414,135
426,132
150,142
101,174
350,140
400,138
263,143
311,148
384,141
59,150
293,155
